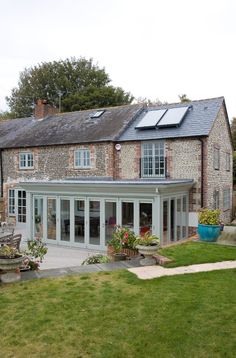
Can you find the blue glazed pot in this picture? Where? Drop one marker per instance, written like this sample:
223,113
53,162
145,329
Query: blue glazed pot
208,232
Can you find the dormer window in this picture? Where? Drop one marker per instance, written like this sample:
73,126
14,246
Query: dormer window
26,161
82,158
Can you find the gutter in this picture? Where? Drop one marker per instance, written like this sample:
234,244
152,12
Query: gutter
1,172
202,171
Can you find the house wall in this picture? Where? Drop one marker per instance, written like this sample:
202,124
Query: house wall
219,179
55,162
184,162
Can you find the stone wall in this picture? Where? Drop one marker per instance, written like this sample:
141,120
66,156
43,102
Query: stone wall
184,162
57,162
220,179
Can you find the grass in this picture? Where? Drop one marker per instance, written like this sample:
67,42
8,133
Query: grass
197,253
114,314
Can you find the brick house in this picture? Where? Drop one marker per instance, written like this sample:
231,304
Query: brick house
70,177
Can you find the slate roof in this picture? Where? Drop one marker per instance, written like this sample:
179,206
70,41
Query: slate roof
197,122
67,128
115,124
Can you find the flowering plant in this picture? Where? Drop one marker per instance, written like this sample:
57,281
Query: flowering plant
122,238
147,240
35,252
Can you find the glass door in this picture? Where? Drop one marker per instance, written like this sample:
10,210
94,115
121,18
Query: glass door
127,214
51,219
110,219
94,222
165,223
79,221
38,217
65,224
145,218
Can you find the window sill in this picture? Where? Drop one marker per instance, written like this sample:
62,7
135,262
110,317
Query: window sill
27,168
83,168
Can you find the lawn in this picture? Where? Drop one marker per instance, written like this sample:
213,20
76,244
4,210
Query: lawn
114,314
197,253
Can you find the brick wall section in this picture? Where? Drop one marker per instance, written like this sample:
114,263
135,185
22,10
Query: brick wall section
184,162
219,179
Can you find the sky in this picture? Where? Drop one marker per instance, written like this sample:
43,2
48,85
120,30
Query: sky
155,49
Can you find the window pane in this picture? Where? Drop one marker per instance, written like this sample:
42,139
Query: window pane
65,220
94,222
153,160
51,219
128,215
145,218
79,221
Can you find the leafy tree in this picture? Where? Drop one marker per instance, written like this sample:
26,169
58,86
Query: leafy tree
71,84
6,115
183,98
147,101
233,131
234,168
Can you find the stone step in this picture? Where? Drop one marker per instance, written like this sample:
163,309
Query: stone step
162,260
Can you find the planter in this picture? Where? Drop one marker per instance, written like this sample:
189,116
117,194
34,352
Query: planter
10,266
209,233
148,252
120,256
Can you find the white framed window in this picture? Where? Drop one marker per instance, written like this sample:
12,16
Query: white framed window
26,160
216,199
226,199
227,162
11,202
153,159
216,159
82,158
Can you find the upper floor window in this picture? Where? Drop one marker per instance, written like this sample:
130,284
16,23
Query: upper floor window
216,158
227,162
82,158
11,201
26,160
216,199
153,159
226,199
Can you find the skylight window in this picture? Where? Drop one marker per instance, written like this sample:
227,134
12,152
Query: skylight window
97,114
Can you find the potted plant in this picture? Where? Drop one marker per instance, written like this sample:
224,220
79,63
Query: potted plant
122,242
209,225
10,262
147,245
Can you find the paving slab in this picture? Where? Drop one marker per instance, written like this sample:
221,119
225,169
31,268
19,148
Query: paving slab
150,272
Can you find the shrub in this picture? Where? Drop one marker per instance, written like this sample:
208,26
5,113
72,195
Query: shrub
122,238
209,217
147,240
96,259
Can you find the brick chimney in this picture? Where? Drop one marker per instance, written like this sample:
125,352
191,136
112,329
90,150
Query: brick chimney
42,109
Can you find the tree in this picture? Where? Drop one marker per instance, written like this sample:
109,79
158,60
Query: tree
71,84
234,167
183,98
6,115
149,102
233,131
